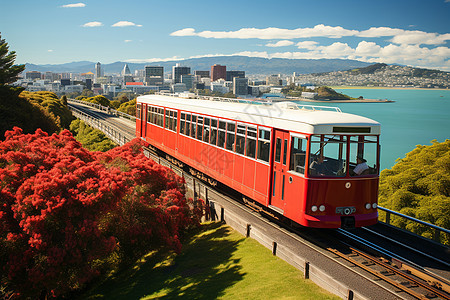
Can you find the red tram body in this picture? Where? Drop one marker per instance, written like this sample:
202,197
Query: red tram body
271,153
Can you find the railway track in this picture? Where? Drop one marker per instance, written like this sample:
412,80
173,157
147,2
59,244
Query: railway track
411,278
395,276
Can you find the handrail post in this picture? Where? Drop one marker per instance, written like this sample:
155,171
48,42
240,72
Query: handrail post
388,217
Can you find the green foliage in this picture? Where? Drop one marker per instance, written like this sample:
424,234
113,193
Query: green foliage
87,93
115,103
128,107
91,139
102,100
50,102
419,186
21,112
325,92
9,73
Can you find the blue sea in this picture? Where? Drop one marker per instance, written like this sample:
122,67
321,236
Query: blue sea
415,118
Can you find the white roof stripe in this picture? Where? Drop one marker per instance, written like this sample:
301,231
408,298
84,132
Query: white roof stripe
276,115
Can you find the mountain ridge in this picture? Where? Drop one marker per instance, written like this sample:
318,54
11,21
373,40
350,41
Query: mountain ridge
251,65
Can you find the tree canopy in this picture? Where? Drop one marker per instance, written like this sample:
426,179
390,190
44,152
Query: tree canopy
9,72
419,186
68,215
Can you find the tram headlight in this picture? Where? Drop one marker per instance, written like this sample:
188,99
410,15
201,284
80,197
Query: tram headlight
368,205
314,208
374,205
322,208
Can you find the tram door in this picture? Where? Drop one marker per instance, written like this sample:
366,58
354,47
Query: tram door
280,169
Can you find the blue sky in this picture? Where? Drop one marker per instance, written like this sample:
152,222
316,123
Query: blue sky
415,32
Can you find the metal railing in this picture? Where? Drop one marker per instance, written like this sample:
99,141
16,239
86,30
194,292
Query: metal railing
115,135
109,110
436,229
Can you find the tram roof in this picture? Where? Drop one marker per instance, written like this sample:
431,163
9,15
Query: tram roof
283,115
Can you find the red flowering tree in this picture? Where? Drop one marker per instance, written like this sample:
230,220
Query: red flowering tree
65,211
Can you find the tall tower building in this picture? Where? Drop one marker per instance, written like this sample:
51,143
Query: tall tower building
233,74
240,86
177,71
126,74
218,72
154,75
98,70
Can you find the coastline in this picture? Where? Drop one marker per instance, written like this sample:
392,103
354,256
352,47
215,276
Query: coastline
347,87
339,101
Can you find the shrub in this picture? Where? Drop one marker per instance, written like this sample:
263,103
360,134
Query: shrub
66,213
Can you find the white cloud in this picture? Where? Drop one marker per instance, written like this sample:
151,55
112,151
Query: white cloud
310,45
92,24
184,32
399,36
49,50
270,33
74,5
282,43
125,24
128,41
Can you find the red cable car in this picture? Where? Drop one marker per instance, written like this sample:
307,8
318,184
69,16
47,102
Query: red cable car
316,166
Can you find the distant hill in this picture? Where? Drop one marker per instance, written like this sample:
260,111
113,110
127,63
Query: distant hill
382,75
251,65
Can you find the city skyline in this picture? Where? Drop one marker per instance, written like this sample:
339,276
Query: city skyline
413,33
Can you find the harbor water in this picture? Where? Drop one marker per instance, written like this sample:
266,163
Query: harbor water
417,117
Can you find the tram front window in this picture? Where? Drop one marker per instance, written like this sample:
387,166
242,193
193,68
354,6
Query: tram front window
363,155
328,156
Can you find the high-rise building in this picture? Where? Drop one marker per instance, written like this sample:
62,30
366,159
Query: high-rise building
218,72
202,74
98,70
154,75
233,74
188,80
177,71
274,80
126,74
240,86
33,75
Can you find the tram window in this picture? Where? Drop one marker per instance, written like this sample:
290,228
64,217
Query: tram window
199,128
213,139
194,125
264,145
298,155
149,114
182,123
175,121
251,142
206,130
366,148
171,120
230,136
160,117
285,151
221,139
138,111
222,125
278,150
328,156
240,139
168,120
188,125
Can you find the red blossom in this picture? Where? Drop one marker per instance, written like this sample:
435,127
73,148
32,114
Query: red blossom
63,209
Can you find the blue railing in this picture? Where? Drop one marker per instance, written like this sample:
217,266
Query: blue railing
436,229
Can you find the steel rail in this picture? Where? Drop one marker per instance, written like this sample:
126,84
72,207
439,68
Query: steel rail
443,282
447,264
